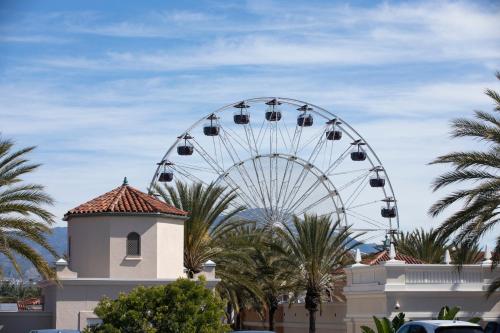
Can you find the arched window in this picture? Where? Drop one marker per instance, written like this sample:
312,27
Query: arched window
133,244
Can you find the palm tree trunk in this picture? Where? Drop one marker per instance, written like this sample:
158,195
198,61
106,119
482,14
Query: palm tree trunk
272,311
312,303
312,321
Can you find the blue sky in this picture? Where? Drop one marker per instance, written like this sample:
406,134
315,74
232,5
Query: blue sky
104,87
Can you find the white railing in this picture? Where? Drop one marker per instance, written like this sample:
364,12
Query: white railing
451,276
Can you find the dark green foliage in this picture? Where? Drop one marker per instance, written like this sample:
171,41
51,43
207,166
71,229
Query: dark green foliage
184,306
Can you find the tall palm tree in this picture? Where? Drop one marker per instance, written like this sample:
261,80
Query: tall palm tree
209,211
480,170
22,216
316,247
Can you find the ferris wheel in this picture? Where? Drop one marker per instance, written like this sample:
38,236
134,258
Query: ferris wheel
285,157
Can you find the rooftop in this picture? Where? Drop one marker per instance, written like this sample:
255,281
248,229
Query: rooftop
379,257
125,199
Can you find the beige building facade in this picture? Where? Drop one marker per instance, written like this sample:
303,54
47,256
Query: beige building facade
116,242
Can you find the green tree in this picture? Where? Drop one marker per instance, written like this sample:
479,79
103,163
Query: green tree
316,247
184,306
206,222
480,170
22,216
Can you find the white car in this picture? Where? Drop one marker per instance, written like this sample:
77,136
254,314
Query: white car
440,326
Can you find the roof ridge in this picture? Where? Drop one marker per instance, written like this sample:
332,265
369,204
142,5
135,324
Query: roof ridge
117,197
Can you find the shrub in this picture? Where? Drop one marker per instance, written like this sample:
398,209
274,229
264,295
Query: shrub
184,306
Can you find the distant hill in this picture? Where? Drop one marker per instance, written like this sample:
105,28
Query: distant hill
58,239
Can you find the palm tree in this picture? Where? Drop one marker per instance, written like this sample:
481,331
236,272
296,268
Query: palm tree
480,170
206,222
427,246
316,247
238,286
22,216
272,272
430,247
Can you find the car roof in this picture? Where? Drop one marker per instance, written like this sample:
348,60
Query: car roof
443,323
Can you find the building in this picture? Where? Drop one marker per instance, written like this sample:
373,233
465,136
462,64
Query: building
388,283
117,241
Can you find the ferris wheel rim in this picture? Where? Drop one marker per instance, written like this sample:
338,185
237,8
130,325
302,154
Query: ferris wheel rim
315,109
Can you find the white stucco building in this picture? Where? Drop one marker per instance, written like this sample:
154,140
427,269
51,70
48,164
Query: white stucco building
388,283
117,241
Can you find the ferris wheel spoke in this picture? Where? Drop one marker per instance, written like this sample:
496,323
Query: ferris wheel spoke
208,158
315,203
294,190
317,149
360,178
196,168
282,183
338,161
296,145
318,137
188,175
243,195
231,134
237,165
355,194
261,178
260,138
252,186
366,220
363,204
349,172
285,144
308,192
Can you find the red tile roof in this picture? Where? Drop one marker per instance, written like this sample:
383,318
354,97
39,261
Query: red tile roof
382,256
125,199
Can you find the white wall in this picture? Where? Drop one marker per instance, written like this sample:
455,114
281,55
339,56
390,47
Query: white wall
89,246
170,253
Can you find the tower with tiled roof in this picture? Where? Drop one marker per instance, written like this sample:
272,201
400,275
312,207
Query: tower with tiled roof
126,234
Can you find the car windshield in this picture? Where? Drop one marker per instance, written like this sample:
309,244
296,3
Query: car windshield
459,329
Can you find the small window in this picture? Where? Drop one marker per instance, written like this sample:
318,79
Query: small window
133,244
